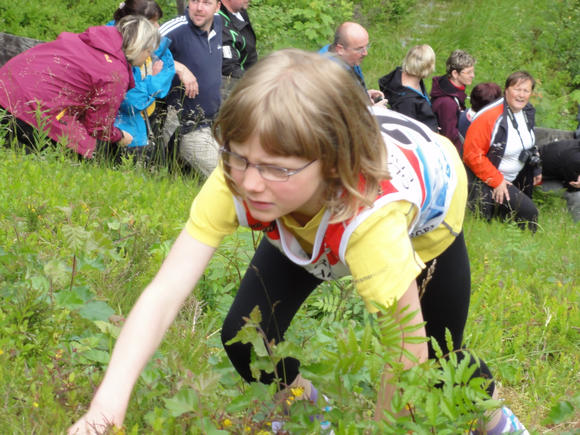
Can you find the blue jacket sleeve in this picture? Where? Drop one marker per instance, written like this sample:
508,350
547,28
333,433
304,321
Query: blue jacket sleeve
150,87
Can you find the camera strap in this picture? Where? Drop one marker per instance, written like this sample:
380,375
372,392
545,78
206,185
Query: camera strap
512,118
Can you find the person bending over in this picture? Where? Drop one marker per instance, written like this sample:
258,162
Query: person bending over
336,188
152,79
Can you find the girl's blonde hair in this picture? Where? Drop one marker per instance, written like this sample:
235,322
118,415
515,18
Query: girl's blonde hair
419,61
303,104
139,34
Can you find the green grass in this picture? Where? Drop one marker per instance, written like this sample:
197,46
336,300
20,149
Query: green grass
524,313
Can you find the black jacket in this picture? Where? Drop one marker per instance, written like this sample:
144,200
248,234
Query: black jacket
239,43
408,101
561,161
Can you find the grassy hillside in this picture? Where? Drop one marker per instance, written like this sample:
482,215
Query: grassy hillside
78,241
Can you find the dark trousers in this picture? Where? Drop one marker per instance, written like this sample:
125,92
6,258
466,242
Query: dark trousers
21,133
520,206
279,287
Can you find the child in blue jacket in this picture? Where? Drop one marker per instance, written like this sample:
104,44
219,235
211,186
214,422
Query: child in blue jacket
152,80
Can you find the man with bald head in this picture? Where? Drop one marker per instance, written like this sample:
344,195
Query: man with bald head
351,45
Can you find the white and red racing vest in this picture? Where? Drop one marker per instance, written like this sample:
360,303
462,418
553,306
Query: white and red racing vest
420,174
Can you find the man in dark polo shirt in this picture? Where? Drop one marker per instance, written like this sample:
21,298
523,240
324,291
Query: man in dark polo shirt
193,102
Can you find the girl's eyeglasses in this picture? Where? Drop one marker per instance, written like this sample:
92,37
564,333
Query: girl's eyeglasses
267,172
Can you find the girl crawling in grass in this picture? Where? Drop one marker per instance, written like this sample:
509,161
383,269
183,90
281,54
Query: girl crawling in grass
337,188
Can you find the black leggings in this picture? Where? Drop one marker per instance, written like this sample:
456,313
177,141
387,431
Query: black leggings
520,205
279,287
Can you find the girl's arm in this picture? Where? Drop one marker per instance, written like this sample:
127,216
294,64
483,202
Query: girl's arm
420,350
151,316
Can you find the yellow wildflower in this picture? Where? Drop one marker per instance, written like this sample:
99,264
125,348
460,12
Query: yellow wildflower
298,391
227,423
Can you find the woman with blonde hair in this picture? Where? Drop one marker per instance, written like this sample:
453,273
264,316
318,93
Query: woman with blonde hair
404,87
152,79
336,188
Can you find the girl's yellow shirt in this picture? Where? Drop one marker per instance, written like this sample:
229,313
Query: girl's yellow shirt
382,258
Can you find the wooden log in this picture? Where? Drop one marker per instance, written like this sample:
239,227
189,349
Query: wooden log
13,45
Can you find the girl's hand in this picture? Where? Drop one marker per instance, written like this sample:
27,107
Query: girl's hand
142,332
501,192
94,422
126,139
537,179
576,183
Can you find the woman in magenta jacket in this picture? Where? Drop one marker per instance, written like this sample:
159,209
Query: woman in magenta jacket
71,88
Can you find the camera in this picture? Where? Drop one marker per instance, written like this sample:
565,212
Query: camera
529,157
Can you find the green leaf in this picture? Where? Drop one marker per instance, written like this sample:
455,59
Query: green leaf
108,328
561,412
96,355
69,299
256,315
186,400
114,225
96,310
75,236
